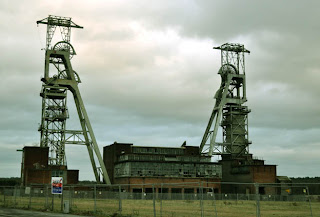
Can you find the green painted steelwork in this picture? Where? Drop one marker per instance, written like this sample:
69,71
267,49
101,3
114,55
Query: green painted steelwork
229,111
56,84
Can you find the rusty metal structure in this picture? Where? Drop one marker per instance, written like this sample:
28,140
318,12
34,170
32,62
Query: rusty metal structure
59,79
229,111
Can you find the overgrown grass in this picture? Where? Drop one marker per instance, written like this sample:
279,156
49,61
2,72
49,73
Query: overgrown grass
172,208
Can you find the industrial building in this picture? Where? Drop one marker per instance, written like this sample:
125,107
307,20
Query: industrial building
58,80
230,114
36,170
247,170
128,164
124,163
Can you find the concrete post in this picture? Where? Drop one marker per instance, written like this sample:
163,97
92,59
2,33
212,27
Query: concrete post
4,197
29,206
257,200
120,202
199,194
237,198
157,193
47,194
161,199
214,202
201,199
52,207
182,191
15,196
95,198
61,206
142,193
70,197
309,199
154,201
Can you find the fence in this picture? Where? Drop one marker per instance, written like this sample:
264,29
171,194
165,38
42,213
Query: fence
187,199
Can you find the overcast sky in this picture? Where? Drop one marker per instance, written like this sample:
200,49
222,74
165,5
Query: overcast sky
149,74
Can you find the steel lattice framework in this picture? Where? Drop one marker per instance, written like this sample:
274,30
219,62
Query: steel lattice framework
229,111
56,84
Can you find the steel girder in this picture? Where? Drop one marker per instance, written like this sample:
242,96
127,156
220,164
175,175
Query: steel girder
54,100
229,111
82,137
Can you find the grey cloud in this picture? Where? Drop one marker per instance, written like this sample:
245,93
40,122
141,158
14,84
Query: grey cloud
160,93
225,20
292,150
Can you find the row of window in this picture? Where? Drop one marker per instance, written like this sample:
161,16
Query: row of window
162,158
167,169
153,150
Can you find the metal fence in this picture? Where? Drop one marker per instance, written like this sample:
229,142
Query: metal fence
187,199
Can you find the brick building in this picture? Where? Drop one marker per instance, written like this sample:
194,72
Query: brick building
128,164
245,169
36,170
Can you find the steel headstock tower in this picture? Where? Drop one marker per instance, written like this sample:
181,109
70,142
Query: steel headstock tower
56,83
229,111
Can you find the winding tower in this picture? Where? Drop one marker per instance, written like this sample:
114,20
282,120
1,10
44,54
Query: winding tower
59,79
229,112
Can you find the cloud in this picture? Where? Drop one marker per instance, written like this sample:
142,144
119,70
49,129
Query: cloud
291,149
149,73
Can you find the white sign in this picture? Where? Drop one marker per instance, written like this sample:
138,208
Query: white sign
56,185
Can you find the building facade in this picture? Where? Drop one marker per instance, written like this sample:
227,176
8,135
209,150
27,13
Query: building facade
143,167
36,170
244,170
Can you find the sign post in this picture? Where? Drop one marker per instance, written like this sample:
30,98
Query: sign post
56,185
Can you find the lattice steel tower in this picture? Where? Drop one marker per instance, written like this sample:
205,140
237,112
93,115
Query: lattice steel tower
56,84
229,111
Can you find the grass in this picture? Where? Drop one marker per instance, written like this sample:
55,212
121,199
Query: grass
170,208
